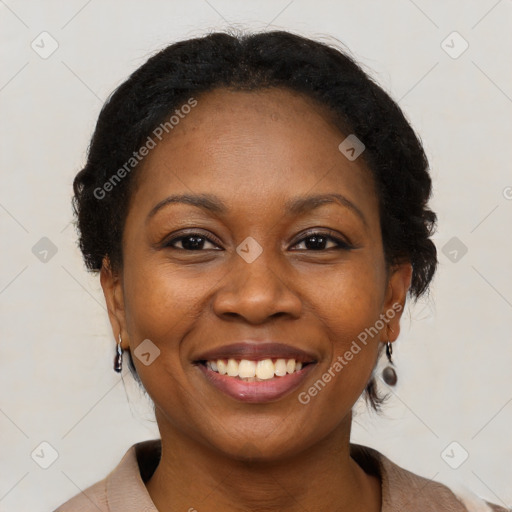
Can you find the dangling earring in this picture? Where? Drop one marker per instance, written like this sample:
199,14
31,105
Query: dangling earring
118,359
389,374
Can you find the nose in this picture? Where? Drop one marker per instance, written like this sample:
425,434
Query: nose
256,292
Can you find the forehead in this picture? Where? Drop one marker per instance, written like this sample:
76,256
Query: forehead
252,147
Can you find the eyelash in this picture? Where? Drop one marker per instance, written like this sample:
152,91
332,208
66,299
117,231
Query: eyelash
341,244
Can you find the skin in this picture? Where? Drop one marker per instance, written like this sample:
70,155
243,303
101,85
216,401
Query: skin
255,151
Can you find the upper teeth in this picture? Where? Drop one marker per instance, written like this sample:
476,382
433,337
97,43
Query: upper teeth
246,368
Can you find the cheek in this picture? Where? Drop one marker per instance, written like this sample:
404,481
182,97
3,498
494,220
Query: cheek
165,304
162,306
160,302
349,308
350,299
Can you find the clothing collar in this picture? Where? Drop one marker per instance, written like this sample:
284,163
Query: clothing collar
401,489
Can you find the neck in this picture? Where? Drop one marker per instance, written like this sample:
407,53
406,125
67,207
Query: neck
192,476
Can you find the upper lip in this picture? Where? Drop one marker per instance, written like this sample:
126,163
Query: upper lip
256,351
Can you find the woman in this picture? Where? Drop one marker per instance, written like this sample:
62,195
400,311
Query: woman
257,210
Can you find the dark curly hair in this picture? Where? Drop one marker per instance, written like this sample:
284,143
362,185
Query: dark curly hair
184,70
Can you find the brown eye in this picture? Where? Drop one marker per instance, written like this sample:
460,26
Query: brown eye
190,242
318,241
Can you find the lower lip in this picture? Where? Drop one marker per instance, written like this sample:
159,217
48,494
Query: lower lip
259,391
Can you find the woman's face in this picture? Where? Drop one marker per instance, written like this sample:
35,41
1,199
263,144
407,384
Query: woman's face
230,276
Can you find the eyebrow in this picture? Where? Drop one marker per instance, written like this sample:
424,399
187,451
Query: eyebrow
306,203
296,206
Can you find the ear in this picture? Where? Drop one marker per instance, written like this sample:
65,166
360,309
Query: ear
114,298
399,282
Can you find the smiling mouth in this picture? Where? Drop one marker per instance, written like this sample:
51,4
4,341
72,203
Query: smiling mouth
248,370
258,372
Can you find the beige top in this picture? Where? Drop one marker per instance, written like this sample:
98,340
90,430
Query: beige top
123,490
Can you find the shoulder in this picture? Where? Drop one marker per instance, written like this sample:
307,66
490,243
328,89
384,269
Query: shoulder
404,490
92,499
123,489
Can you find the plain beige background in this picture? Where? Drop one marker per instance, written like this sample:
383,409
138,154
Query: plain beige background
454,357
